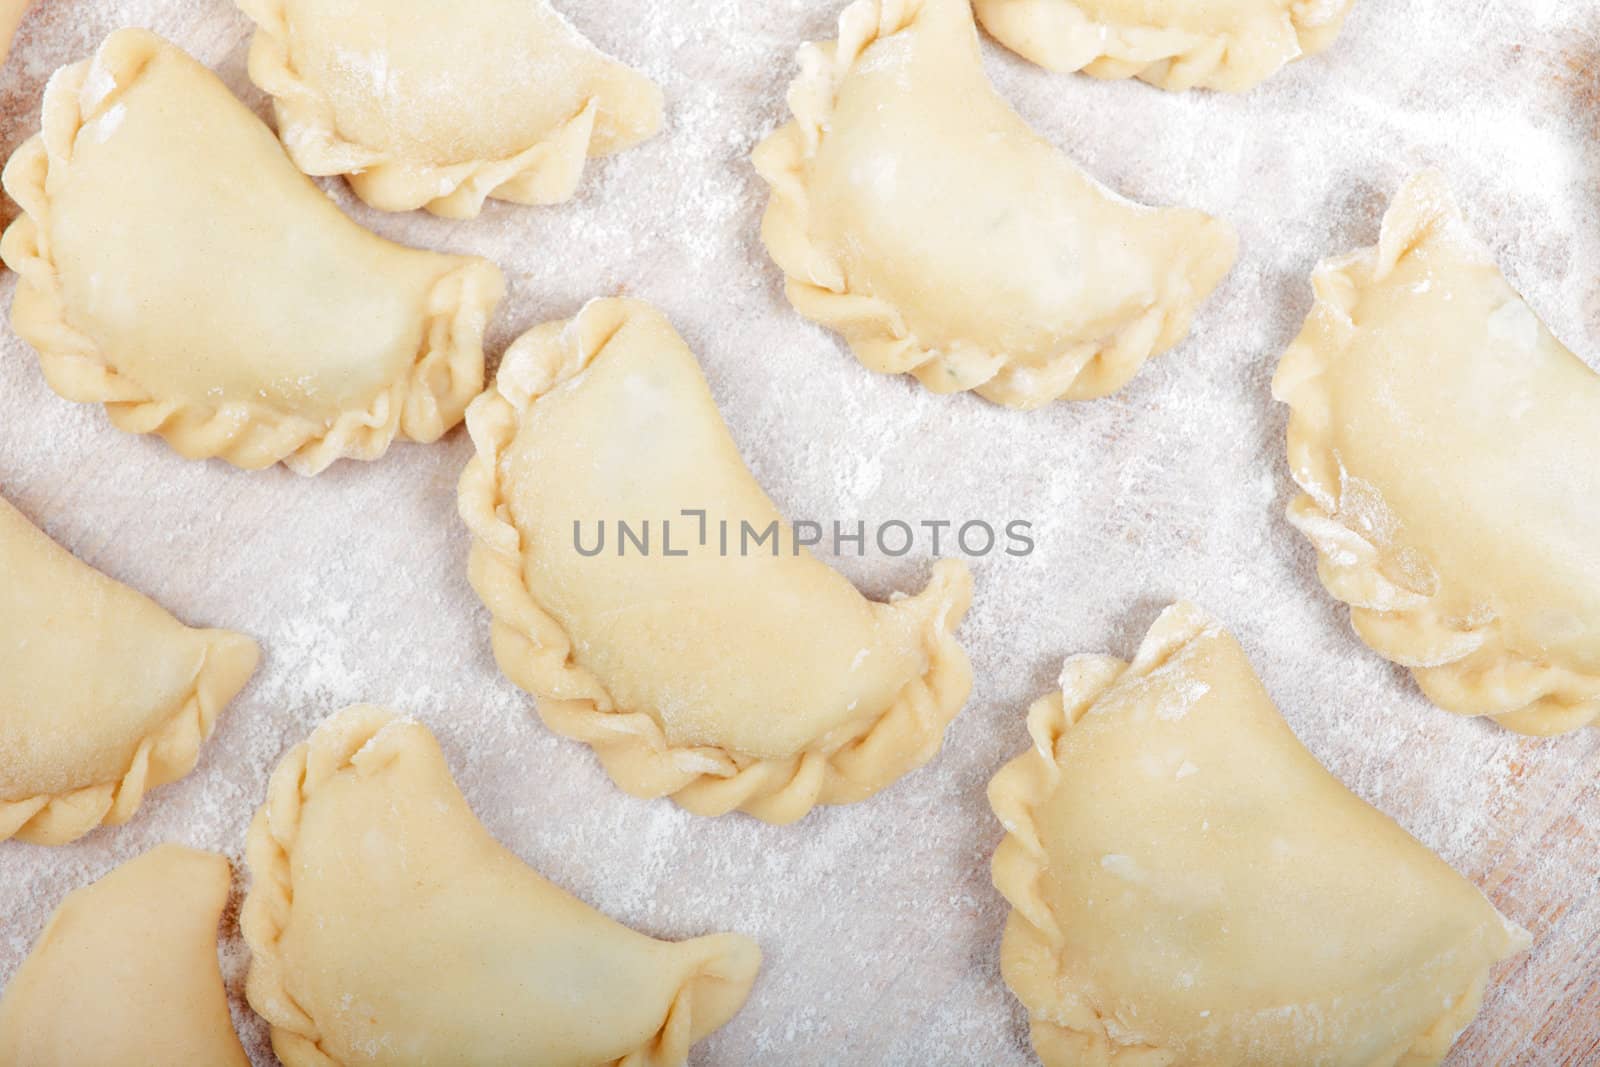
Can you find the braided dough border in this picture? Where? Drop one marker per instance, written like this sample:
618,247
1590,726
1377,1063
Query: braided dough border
1061,36
166,754
874,328
1465,666
362,740
421,406
1066,1028
547,172
843,766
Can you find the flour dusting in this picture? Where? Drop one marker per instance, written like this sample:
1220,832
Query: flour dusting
878,921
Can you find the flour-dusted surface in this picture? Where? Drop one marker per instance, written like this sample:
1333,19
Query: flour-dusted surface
878,920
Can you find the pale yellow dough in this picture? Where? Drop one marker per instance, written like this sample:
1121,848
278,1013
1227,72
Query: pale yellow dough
1229,45
388,928
746,680
1446,444
104,694
126,972
176,267
1190,888
11,12
916,213
423,104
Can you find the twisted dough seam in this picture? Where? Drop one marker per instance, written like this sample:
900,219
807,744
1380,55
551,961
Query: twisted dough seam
1061,36
166,754
1066,1026
360,740
709,998
846,764
1464,665
875,329
546,172
421,406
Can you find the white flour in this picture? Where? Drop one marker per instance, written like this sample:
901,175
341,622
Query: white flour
879,923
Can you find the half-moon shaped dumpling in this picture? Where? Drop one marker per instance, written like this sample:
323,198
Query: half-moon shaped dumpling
1230,45
176,267
11,12
1449,451
719,663
126,972
387,928
1191,888
423,104
103,695
917,214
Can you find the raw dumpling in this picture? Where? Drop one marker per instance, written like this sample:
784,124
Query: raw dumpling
388,928
126,972
423,104
11,12
917,214
1447,445
175,267
103,695
1192,889
1230,45
759,679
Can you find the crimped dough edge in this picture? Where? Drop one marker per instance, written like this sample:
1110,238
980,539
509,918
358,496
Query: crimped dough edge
421,406
875,329
1066,1027
547,172
1464,666
166,754
1061,36
361,740
843,766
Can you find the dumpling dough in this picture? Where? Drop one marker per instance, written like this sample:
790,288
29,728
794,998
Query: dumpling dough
104,694
761,680
917,214
270,327
1192,889
1229,45
423,104
126,972
388,928
1446,444
11,12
